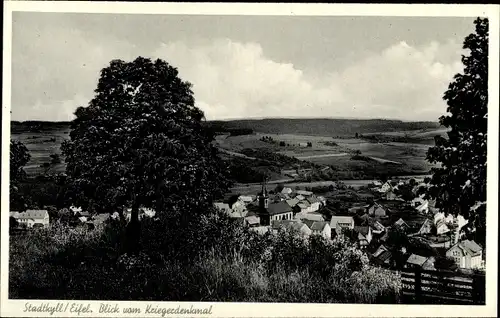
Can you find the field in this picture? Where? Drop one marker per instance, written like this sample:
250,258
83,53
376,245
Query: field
41,144
390,157
391,152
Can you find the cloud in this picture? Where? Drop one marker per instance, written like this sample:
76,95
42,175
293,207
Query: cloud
55,72
236,80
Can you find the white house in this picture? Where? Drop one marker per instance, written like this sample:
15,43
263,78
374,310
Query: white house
304,206
315,203
32,217
75,209
286,190
377,210
423,208
386,187
320,228
441,227
364,235
346,222
304,193
467,254
246,199
313,216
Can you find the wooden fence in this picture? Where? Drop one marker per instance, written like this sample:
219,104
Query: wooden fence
442,287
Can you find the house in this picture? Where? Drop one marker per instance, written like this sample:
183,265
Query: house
322,200
376,226
314,202
386,187
402,225
441,227
239,207
292,202
31,217
75,209
423,208
467,254
390,196
382,256
377,183
252,220
275,211
276,225
364,235
303,207
304,193
425,228
246,199
319,228
377,210
300,197
313,216
441,216
224,207
286,190
260,229
420,262
302,228
418,201
346,222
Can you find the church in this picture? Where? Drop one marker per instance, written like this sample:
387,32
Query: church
270,211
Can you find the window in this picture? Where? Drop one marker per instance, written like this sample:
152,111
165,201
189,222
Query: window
456,253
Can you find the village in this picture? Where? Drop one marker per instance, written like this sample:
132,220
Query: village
370,216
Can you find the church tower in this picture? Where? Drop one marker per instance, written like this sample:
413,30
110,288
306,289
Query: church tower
264,197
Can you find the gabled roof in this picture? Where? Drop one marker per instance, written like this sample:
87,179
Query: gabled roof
303,204
276,224
400,222
340,219
384,257
252,219
416,259
470,247
318,226
222,206
278,208
313,199
304,193
364,230
34,214
292,202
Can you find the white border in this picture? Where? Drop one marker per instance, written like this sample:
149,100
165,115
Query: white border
15,307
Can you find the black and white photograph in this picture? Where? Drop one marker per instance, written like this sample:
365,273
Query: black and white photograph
249,158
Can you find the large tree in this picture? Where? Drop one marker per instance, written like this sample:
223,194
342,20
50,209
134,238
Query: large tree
141,142
19,157
459,184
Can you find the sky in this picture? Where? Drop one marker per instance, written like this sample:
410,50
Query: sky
245,66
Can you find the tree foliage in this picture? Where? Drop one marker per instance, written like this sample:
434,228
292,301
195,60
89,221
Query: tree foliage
141,142
460,182
19,157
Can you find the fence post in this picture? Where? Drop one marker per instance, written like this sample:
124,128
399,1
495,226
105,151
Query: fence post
418,285
479,283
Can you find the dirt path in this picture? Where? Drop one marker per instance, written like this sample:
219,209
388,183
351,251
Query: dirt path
323,156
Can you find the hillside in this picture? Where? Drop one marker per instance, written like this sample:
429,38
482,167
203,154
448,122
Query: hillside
321,127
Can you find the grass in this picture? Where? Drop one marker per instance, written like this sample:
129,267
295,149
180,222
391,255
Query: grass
66,263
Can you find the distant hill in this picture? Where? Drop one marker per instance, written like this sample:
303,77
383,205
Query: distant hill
306,126
320,127
38,126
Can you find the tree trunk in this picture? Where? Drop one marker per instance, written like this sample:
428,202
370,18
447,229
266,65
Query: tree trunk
134,230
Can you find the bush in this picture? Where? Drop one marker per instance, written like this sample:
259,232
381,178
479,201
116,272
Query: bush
212,259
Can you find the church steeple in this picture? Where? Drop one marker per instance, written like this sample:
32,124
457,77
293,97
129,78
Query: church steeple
264,198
